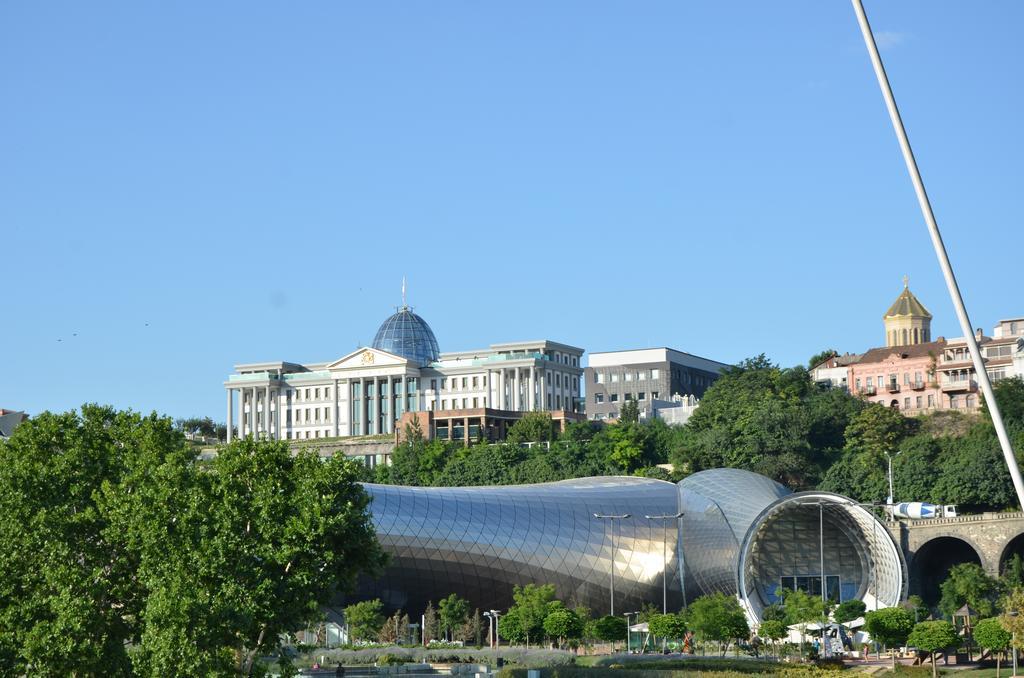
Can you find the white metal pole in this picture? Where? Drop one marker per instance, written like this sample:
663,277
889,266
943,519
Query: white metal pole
891,493
940,250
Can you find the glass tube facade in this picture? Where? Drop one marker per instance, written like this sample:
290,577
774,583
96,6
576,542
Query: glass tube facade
740,533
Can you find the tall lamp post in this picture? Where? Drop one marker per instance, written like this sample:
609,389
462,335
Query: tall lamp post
1013,641
892,494
664,560
612,518
497,634
627,615
490,628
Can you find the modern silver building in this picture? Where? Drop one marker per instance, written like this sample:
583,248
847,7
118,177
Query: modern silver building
367,391
741,533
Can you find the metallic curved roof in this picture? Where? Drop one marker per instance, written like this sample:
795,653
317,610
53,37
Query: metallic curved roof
740,534
408,335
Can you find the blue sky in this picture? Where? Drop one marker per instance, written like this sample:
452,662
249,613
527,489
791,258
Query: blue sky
185,186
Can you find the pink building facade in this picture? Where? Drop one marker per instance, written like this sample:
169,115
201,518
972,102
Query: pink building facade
902,377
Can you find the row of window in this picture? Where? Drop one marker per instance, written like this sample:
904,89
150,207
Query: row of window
614,397
476,382
1004,351
628,375
894,379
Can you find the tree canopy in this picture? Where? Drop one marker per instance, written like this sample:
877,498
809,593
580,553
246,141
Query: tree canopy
116,536
718,617
890,626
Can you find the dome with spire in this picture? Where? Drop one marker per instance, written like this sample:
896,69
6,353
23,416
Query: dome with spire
408,335
907,322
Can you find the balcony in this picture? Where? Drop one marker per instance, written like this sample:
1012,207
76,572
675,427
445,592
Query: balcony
917,385
961,385
893,387
867,390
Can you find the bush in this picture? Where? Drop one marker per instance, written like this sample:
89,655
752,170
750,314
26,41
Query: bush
394,655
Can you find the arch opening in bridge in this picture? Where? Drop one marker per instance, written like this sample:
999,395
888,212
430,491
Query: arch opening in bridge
1014,547
787,543
932,563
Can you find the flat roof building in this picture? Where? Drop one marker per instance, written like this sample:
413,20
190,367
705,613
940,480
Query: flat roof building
645,375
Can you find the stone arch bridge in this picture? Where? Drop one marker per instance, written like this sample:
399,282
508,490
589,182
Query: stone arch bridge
932,546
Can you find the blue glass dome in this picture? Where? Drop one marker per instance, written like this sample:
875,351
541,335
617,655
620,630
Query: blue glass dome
408,335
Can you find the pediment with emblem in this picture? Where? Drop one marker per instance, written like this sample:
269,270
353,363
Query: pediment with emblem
365,358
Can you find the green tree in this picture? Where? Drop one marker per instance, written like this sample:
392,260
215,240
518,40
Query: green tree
667,626
932,636
431,625
609,628
917,608
890,626
819,358
1012,618
453,613
774,421
244,549
199,567
365,619
70,596
629,413
968,583
533,604
848,610
415,460
773,631
532,427
718,617
990,634
1012,575
563,625
511,628
802,609
1010,396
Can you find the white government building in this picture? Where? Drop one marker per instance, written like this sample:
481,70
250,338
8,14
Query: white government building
367,391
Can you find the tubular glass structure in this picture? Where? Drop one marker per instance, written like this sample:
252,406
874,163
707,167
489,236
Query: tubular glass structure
741,533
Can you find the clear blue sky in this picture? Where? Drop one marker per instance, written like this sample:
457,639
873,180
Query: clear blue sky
185,186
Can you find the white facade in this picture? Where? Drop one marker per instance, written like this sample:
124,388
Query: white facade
367,391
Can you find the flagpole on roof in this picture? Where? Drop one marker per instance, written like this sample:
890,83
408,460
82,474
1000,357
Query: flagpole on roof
940,250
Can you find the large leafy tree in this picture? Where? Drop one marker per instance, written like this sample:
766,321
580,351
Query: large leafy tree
563,625
775,421
453,612
365,619
968,583
71,600
532,427
718,617
199,567
533,603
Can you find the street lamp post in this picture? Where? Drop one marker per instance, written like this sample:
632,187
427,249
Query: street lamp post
627,615
664,560
1013,640
892,494
497,634
490,629
612,518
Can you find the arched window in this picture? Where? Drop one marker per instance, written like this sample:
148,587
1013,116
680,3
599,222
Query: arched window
904,338
915,336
